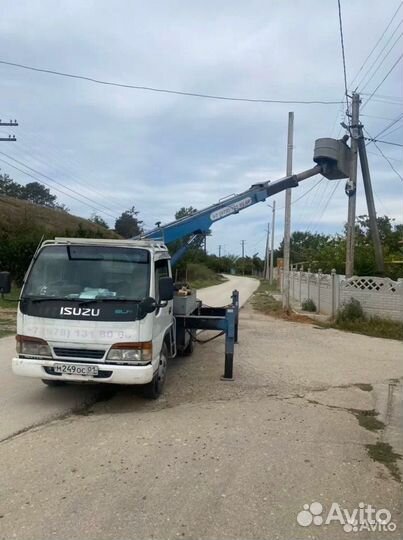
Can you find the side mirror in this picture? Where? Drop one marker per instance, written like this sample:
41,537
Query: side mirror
148,305
5,282
166,289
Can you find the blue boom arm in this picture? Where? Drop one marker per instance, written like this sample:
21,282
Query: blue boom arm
201,221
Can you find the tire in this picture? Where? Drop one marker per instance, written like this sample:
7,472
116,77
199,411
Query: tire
187,351
53,383
153,389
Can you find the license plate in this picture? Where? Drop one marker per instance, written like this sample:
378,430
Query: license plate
76,369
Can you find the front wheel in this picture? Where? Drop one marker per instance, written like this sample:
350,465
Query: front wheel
153,389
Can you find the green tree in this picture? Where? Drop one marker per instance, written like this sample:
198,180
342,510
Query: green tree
9,187
128,225
38,194
98,220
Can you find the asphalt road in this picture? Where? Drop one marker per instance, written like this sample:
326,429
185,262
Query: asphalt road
213,459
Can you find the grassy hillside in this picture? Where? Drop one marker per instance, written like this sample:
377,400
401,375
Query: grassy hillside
16,214
23,225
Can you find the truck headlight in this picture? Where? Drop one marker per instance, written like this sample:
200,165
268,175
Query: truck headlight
31,346
130,353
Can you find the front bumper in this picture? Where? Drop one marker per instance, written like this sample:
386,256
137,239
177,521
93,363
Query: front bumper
109,373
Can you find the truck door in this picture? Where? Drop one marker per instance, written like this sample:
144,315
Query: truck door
163,315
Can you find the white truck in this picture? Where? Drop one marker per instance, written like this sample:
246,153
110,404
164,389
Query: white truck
97,310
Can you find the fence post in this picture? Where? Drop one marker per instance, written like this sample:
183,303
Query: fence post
293,283
333,285
300,283
318,285
308,277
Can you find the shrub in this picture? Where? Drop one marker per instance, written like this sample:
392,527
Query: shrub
351,311
308,305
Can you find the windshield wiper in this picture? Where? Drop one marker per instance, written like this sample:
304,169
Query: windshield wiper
114,299
43,298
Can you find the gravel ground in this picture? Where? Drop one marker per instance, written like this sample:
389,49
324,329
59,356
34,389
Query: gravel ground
215,459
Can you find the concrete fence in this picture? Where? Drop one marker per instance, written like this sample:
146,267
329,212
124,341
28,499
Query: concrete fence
381,297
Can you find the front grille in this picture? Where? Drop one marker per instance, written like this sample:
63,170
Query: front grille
63,352
102,374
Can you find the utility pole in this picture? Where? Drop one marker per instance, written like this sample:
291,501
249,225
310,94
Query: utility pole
266,255
351,186
10,138
287,216
243,256
219,251
273,222
373,224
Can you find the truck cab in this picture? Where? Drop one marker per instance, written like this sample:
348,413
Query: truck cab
97,311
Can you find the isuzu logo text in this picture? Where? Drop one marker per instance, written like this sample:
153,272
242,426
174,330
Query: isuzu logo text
80,312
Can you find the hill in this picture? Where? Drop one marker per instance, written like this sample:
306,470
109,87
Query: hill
19,215
23,224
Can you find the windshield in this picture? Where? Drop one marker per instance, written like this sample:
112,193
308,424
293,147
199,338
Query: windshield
89,273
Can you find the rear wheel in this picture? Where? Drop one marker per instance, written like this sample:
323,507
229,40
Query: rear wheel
52,382
187,351
153,389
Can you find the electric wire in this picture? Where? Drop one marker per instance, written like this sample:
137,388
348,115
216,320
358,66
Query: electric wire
57,158
385,157
360,85
395,121
382,96
382,81
82,187
377,43
48,185
389,157
168,91
377,117
343,54
383,60
393,130
383,142
327,203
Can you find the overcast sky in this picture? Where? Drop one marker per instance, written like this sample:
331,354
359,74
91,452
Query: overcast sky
122,147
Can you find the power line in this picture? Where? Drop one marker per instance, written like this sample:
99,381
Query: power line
50,186
393,130
383,142
383,59
304,194
71,177
377,117
343,53
386,158
383,80
395,121
327,203
377,43
167,91
377,154
382,96
376,59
